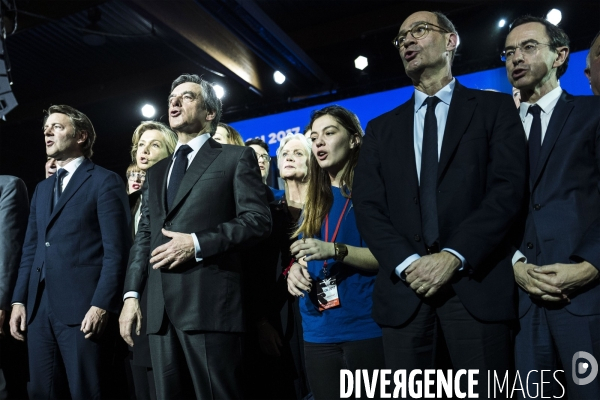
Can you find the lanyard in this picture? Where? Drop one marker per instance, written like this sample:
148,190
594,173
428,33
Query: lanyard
335,232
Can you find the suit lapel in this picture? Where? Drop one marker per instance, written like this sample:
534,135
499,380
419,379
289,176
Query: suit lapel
46,194
558,119
406,142
206,155
460,112
159,180
79,177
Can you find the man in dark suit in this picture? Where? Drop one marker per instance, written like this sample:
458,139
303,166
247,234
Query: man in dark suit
73,263
199,208
13,222
438,185
559,257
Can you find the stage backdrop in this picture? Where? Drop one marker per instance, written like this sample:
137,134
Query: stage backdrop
273,128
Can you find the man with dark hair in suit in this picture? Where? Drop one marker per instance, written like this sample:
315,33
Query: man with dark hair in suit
592,65
13,222
199,209
438,185
557,263
73,262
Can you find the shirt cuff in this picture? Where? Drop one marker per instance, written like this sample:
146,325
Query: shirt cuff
16,302
463,262
518,257
131,294
405,264
197,247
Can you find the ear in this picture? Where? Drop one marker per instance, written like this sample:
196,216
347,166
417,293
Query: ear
354,140
588,74
561,56
83,135
210,115
452,42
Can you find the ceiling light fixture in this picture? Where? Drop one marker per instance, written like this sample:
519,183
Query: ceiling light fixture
361,62
278,77
219,91
554,16
148,111
501,23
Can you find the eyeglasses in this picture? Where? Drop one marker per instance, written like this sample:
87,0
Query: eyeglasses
418,32
529,49
135,176
264,157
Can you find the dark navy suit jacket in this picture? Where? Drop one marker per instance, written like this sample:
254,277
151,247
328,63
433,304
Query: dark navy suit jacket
83,245
563,218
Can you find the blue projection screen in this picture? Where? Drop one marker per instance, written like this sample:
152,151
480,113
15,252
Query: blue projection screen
273,128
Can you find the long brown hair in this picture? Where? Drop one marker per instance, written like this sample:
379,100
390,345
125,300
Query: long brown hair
319,197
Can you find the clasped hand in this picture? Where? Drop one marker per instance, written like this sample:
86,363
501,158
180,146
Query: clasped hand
554,282
312,249
429,273
177,251
94,322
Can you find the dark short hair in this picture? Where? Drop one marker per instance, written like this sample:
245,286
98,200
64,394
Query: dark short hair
80,122
258,142
558,37
588,59
445,23
211,102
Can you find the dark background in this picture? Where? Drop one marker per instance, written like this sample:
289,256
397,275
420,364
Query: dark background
147,44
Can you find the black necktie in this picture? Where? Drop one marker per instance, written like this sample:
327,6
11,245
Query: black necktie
177,173
535,137
429,171
60,174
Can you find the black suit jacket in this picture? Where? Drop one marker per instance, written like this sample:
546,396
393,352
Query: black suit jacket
481,184
14,208
224,202
563,218
82,244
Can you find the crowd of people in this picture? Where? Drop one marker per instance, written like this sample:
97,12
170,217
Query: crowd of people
457,232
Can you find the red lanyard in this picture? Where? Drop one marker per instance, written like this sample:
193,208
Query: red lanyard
337,228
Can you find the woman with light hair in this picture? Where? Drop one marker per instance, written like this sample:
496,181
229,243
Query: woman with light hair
227,134
269,302
151,142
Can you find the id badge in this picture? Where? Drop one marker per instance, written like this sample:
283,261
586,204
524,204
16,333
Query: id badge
327,293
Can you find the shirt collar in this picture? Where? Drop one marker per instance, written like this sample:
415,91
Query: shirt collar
444,94
196,143
72,166
546,103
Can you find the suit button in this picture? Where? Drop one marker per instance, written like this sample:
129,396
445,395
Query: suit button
416,200
47,244
529,245
417,238
537,207
39,269
168,224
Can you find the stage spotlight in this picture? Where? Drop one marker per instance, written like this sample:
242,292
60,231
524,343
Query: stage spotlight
501,23
361,62
278,77
148,111
554,16
219,91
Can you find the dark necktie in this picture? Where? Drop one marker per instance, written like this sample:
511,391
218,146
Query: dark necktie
60,174
535,137
177,173
429,171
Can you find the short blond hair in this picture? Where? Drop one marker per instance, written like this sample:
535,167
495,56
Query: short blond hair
169,136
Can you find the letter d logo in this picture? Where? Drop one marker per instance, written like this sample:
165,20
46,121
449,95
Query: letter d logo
583,367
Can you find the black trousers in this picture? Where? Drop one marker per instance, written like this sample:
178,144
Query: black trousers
202,365
324,362
471,343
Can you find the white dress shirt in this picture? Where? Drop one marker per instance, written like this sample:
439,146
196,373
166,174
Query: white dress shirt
547,104
70,169
441,115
